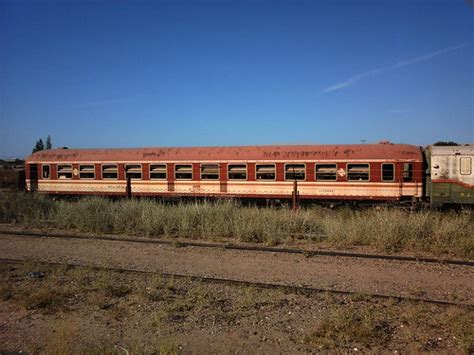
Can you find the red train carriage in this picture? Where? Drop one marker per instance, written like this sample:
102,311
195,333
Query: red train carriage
331,172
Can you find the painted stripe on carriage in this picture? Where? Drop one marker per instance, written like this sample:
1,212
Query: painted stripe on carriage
234,182
361,191
452,181
226,161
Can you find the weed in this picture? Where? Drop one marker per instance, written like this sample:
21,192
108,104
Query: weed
44,298
351,326
462,326
118,290
156,289
118,311
168,347
26,208
6,292
170,285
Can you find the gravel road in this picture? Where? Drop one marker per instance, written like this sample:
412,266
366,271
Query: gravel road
412,279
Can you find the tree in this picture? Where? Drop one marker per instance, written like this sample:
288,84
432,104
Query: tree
445,143
38,146
48,143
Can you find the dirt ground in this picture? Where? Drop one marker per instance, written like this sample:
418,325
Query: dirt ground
81,310
409,279
84,310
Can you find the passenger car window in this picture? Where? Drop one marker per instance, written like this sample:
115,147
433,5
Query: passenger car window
265,172
46,172
65,171
183,172
109,171
326,172
209,172
388,172
295,172
86,172
158,172
407,172
237,171
466,165
133,171
358,172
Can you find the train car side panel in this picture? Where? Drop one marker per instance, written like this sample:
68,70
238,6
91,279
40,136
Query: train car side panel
451,175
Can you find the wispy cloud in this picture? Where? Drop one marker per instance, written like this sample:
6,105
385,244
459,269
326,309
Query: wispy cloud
422,58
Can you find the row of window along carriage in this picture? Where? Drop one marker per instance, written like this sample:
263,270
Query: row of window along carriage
359,172
355,172
375,172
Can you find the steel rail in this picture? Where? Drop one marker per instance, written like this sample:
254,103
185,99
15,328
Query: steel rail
305,252
234,282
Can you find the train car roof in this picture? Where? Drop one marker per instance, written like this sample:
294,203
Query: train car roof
387,151
467,149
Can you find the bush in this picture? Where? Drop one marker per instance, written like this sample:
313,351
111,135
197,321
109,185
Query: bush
22,207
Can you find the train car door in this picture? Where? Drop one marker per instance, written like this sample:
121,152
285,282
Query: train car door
406,188
33,168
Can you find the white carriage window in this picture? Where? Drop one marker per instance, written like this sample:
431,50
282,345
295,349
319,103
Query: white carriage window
183,172
388,172
209,172
237,171
407,172
86,172
158,172
65,171
466,166
358,172
326,172
295,172
265,171
46,172
133,171
109,171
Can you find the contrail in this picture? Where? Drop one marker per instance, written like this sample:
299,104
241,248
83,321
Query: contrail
422,58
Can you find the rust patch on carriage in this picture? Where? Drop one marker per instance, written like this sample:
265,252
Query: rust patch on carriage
276,153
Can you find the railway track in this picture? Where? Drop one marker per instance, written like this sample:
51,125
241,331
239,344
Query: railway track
243,283
308,253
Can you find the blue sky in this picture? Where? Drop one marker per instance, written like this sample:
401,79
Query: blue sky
206,73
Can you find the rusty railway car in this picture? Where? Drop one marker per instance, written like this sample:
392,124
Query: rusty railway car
365,172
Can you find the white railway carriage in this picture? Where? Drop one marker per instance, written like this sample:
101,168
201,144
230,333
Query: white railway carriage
451,175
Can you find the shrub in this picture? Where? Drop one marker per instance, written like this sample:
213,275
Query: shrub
22,207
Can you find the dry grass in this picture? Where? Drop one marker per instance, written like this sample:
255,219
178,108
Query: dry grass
383,228
44,298
367,325
18,207
352,326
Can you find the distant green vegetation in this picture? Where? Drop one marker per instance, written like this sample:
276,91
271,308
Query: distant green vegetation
445,143
385,229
